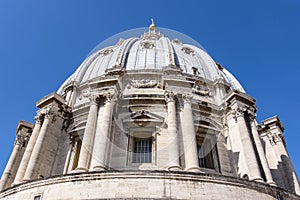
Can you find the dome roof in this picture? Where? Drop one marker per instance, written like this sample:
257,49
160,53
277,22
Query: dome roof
151,50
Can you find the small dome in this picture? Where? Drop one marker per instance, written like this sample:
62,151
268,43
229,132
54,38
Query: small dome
151,50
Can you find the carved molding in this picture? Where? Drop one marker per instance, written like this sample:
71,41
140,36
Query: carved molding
94,99
187,98
169,96
201,91
39,118
106,52
177,41
144,83
238,112
274,138
188,51
151,35
107,97
147,45
242,111
21,140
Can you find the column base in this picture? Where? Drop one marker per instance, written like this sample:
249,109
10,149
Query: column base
174,168
272,183
194,169
257,179
79,170
98,168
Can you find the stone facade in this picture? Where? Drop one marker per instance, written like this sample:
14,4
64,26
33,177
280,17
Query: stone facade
149,118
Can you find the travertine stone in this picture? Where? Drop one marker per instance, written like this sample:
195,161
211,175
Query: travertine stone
37,150
28,151
261,152
10,165
88,137
189,136
87,149
102,136
146,185
173,148
249,153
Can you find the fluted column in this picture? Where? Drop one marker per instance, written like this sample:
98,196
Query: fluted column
102,136
36,152
261,152
88,137
189,136
247,145
28,151
11,162
173,146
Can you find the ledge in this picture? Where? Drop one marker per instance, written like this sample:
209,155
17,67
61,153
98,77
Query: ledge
189,181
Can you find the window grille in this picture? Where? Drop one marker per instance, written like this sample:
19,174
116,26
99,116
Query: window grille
142,150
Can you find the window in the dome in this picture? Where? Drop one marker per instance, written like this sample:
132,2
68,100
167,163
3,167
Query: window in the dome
142,150
207,153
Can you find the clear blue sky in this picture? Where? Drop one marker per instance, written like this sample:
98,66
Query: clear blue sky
43,42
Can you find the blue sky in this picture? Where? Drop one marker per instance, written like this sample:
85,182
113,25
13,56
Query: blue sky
43,42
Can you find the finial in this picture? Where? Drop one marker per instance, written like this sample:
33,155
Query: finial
152,27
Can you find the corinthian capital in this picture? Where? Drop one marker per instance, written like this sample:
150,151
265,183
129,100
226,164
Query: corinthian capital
107,97
187,98
94,99
20,140
250,111
237,112
39,118
169,96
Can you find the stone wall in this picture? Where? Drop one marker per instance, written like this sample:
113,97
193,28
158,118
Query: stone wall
145,185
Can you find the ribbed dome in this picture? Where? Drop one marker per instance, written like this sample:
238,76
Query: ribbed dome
152,50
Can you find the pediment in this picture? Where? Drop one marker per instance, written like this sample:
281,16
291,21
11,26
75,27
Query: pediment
143,116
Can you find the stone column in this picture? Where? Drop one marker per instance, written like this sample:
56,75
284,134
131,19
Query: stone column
102,136
5,179
284,163
28,151
33,167
88,137
247,145
260,151
289,170
173,146
189,136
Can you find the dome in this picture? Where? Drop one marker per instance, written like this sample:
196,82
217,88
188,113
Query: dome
149,115
152,49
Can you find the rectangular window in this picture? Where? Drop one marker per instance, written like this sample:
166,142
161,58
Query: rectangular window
37,197
205,157
142,150
207,154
